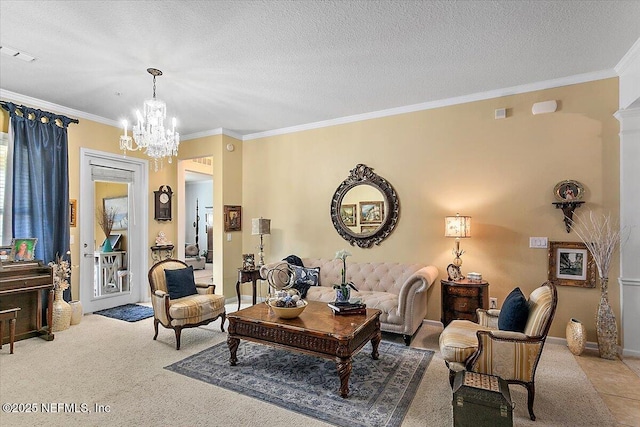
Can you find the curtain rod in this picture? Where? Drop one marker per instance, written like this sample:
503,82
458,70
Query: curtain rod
5,105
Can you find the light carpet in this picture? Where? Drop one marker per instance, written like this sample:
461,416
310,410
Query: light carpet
380,391
109,362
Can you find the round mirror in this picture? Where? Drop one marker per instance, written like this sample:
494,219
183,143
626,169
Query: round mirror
364,208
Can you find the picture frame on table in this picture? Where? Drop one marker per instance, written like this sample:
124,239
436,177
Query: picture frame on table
120,205
5,253
371,212
348,214
571,264
248,262
23,249
232,218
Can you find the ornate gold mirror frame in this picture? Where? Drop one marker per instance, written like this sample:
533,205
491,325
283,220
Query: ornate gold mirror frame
390,208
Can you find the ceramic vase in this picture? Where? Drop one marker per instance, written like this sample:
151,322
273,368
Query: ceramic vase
343,293
76,312
61,315
576,336
606,327
106,246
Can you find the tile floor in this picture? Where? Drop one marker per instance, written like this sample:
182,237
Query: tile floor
617,383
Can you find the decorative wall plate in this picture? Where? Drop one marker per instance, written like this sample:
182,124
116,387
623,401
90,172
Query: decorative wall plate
568,191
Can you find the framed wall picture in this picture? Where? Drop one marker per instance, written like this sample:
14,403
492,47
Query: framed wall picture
568,190
571,264
73,211
120,205
348,214
232,218
371,212
23,249
366,229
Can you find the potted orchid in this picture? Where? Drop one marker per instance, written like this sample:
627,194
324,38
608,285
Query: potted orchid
343,290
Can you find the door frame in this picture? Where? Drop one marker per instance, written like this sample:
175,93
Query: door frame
138,229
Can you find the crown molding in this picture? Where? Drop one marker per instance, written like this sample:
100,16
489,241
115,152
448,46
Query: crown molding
50,106
481,96
212,132
632,56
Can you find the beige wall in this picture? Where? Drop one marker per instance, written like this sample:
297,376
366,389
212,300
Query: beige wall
443,161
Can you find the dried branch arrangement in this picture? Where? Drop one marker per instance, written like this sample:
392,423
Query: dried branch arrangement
105,218
601,235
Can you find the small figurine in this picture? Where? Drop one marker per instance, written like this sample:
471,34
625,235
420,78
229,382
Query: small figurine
161,240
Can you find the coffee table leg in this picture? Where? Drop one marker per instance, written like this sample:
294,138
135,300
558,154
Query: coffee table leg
375,341
344,371
233,348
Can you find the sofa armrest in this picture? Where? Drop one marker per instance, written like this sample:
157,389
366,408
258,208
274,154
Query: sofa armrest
420,281
524,352
160,301
488,318
205,288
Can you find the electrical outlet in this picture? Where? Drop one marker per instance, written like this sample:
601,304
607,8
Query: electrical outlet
493,302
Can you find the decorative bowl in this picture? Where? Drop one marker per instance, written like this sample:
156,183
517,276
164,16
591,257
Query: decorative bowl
287,312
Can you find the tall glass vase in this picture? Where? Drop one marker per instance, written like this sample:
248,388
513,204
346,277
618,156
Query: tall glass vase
606,327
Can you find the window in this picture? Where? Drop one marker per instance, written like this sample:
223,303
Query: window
4,149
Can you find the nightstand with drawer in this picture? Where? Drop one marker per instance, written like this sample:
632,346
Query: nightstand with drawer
461,298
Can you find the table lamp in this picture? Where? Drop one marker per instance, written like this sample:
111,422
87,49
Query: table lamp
458,227
260,226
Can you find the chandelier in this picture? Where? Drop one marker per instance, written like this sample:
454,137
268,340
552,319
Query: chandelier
150,134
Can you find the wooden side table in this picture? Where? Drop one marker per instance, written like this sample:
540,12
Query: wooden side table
461,298
247,276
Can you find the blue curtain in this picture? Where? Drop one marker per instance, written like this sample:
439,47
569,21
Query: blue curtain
41,180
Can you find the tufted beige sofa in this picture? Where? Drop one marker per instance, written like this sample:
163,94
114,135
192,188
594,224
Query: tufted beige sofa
399,290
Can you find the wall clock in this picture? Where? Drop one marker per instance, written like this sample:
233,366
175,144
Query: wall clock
162,203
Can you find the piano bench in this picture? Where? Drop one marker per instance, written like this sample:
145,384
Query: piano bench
10,314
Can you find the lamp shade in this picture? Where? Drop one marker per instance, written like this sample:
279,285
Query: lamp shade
260,226
457,226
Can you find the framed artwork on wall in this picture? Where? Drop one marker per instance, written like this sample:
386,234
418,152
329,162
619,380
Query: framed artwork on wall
571,264
120,205
348,214
232,218
371,212
73,211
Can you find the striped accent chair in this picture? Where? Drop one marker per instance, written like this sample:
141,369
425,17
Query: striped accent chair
513,356
185,312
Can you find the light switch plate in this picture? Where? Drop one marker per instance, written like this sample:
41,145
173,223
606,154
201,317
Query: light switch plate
538,242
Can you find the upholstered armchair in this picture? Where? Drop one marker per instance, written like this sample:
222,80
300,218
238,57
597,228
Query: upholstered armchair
512,356
193,304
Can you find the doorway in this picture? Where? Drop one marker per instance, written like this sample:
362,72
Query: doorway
113,257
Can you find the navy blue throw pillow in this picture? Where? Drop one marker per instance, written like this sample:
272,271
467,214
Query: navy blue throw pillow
294,260
303,278
514,312
180,282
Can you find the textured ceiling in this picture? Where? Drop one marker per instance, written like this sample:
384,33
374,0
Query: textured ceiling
252,66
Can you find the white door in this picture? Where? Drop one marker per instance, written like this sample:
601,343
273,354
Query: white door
115,184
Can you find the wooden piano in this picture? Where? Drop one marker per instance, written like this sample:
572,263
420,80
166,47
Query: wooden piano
27,284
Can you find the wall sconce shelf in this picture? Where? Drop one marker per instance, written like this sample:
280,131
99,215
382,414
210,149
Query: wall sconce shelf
567,209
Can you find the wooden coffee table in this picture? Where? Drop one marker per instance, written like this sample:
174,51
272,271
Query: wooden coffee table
317,331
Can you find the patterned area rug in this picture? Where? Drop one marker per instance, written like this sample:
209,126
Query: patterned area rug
127,312
380,391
